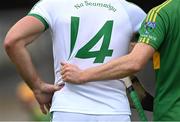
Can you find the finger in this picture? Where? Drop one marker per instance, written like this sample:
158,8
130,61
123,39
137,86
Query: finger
43,109
62,71
56,88
64,64
64,77
48,106
64,68
49,88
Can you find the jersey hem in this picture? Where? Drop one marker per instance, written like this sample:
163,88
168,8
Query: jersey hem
95,112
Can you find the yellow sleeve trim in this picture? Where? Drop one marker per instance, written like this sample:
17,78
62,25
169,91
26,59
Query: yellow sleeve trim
153,12
156,60
144,40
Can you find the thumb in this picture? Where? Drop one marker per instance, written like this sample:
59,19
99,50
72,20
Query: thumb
57,87
53,88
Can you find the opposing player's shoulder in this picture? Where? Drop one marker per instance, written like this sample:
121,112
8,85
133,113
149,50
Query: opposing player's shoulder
168,5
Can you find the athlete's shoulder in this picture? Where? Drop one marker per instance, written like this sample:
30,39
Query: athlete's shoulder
164,7
170,6
132,8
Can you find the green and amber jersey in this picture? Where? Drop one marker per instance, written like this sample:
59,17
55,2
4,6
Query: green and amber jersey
161,30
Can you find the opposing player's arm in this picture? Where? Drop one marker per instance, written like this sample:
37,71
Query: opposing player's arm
114,69
123,66
19,36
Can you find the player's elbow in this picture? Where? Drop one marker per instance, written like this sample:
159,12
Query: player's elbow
10,43
136,62
136,66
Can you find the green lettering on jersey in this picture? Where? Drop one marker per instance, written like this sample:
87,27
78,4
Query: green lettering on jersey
85,51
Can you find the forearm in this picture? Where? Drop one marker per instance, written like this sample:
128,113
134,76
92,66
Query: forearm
24,32
22,60
114,69
122,66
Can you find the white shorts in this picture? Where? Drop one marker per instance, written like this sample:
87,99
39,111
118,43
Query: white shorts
77,117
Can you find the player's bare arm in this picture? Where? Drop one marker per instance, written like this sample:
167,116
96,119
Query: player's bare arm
71,72
19,36
115,69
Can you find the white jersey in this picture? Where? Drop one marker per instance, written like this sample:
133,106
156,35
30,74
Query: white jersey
89,33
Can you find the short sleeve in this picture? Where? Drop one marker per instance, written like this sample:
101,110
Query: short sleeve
153,29
41,12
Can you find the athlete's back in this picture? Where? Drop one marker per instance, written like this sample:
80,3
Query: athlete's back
89,33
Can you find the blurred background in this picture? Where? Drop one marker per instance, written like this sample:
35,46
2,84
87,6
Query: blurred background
11,108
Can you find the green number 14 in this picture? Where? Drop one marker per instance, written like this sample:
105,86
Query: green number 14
85,52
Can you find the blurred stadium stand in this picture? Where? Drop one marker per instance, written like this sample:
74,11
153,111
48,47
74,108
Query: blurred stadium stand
11,4
146,5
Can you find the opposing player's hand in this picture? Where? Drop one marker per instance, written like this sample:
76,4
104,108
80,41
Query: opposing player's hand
44,95
71,73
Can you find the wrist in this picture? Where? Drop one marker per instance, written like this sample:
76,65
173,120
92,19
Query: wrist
37,86
84,77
